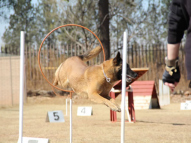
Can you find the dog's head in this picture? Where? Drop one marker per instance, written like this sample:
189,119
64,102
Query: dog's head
117,63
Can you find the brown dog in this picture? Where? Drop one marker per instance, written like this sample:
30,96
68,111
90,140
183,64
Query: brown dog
93,81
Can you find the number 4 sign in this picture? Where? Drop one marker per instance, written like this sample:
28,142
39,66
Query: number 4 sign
55,116
84,111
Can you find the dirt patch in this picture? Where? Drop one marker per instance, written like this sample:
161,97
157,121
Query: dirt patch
179,98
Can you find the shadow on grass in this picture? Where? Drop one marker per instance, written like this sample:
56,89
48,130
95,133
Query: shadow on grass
175,124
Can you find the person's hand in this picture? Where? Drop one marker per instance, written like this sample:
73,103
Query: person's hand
171,80
171,75
171,85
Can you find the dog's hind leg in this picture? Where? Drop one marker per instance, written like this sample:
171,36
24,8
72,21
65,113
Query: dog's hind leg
61,81
110,103
55,83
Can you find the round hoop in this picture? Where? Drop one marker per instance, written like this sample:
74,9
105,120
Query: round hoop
45,39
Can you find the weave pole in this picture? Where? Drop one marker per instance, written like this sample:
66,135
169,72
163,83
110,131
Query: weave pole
123,87
70,117
66,107
22,47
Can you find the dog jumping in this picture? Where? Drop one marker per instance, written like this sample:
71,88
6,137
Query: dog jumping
93,81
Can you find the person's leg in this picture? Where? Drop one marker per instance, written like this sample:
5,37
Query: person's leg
188,65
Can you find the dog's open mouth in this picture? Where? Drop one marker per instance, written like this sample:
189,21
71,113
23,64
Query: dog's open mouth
129,78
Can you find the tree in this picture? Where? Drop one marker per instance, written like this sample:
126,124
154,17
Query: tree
107,18
84,13
145,22
124,16
5,6
165,10
21,20
46,19
154,28
104,26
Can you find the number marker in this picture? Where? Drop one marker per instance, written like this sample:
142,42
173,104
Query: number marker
55,116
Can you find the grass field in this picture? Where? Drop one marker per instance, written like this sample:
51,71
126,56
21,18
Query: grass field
166,125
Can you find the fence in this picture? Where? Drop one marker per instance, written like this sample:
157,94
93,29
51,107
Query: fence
9,80
151,56
51,58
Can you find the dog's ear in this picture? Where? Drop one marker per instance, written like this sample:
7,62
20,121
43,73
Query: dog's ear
117,59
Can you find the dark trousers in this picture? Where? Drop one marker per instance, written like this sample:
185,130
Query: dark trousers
188,62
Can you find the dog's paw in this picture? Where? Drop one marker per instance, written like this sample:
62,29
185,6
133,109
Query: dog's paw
113,106
117,110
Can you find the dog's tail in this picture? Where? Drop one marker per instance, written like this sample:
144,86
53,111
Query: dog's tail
91,54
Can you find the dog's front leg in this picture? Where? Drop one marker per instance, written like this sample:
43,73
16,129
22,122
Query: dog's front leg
95,97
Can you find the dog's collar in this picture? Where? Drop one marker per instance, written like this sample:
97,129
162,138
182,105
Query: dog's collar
107,79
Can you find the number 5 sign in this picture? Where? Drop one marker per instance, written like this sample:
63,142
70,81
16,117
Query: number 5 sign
55,116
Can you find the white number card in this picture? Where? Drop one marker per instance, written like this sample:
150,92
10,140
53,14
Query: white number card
55,116
35,140
84,111
188,101
185,106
